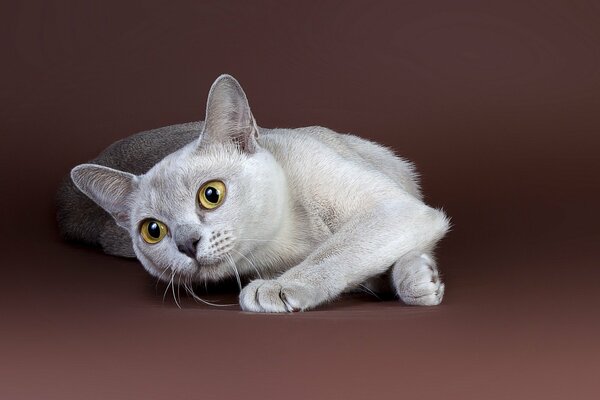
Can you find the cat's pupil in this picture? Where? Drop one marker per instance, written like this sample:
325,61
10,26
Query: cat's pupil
211,194
154,230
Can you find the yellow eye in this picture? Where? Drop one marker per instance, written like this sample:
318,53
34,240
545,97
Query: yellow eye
153,231
211,194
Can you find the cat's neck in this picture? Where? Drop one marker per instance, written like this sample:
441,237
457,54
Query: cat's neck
290,240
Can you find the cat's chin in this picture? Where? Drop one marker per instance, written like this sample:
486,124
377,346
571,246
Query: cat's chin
211,270
194,270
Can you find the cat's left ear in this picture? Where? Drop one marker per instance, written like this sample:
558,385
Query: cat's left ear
228,116
109,188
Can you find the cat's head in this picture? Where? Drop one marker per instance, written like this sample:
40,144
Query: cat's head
204,207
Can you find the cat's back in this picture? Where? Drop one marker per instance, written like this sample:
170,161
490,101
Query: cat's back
317,148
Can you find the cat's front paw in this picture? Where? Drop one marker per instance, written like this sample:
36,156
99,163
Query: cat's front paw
273,296
418,282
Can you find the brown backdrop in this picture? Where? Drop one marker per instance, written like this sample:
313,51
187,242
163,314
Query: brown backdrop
497,103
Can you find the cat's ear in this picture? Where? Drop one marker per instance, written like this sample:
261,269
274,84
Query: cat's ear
228,116
109,188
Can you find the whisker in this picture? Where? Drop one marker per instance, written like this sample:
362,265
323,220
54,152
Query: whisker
167,288
160,276
178,287
235,270
195,297
250,262
173,290
366,289
187,291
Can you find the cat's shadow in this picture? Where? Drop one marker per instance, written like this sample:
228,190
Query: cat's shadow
223,296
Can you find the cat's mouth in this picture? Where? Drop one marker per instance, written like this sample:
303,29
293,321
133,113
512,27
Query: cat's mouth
219,258
193,269
202,264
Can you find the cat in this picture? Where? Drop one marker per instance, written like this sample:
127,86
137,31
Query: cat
308,212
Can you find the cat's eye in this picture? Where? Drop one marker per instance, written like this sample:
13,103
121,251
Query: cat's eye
153,231
211,194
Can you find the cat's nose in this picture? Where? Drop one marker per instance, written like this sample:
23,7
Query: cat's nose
188,247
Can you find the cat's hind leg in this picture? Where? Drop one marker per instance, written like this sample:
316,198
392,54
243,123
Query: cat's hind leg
115,240
417,281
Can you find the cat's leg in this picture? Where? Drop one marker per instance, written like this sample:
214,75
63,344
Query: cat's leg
365,246
417,280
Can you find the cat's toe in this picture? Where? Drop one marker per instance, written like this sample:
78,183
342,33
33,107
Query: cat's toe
418,283
428,295
264,296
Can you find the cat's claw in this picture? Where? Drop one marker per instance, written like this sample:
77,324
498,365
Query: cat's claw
418,282
273,296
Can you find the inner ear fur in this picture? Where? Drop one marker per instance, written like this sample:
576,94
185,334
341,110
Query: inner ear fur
109,188
228,116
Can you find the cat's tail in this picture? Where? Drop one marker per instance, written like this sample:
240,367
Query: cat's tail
81,220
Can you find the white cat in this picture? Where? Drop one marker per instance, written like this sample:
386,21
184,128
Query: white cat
316,212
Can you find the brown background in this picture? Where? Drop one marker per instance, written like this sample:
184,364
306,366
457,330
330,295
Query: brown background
497,103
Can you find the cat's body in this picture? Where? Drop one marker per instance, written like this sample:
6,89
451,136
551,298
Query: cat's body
315,211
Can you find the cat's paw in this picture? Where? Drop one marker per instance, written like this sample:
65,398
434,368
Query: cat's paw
273,296
418,282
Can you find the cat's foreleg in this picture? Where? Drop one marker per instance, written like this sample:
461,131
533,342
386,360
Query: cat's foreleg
365,246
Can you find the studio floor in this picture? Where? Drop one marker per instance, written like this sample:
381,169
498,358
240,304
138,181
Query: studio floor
517,322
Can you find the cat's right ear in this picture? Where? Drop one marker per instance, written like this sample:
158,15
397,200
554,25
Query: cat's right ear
228,116
109,188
